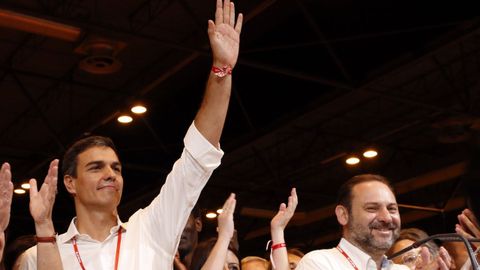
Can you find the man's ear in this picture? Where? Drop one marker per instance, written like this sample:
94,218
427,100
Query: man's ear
69,183
198,224
342,214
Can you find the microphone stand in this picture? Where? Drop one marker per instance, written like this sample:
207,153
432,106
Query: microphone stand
448,237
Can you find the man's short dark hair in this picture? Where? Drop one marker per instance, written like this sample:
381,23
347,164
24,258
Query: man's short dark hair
344,196
70,159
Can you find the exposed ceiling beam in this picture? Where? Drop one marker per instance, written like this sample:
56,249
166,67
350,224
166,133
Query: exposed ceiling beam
35,25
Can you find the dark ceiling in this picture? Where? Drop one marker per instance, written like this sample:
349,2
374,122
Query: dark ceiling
315,81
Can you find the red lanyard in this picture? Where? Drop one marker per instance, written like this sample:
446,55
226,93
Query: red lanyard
117,253
348,257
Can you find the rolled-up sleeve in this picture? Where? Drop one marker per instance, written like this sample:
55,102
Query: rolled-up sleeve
207,155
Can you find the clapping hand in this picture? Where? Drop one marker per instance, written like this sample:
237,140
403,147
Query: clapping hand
41,201
285,212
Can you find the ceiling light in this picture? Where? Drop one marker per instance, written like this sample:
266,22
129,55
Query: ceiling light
25,186
124,119
219,211
370,153
211,215
19,191
138,109
352,160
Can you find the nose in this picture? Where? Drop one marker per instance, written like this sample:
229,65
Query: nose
384,215
109,174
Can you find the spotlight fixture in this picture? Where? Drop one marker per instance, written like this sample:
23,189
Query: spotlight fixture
211,215
352,160
19,191
25,186
138,109
370,153
124,119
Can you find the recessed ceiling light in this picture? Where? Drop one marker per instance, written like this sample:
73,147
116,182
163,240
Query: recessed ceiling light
25,186
219,211
19,191
370,153
138,109
211,215
352,160
124,119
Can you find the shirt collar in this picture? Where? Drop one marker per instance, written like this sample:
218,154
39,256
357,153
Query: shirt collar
359,257
73,231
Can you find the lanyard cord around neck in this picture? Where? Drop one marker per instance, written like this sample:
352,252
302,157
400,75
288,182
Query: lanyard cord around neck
347,257
117,253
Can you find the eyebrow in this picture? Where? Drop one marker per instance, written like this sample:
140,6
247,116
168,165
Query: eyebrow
99,162
374,204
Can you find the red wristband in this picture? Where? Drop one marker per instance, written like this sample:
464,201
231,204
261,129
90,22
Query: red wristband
222,72
279,245
47,239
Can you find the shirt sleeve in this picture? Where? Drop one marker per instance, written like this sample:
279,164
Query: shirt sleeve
162,222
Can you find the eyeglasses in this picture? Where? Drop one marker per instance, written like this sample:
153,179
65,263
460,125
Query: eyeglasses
412,258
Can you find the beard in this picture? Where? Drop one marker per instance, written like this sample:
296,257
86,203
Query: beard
366,239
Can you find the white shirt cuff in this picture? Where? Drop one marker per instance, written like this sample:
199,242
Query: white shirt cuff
201,149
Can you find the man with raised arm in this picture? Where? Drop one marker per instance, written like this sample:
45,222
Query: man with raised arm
96,238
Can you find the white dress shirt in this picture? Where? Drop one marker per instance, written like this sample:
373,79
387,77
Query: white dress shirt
333,259
150,237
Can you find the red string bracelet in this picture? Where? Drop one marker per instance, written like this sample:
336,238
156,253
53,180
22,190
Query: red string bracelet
279,245
222,72
276,246
46,239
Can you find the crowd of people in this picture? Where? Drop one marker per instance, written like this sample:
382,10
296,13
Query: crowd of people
164,235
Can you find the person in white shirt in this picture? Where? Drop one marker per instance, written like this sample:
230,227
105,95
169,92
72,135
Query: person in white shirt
96,238
368,213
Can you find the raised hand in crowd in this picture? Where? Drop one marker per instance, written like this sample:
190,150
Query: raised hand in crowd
442,261
225,229
6,192
468,225
41,206
279,257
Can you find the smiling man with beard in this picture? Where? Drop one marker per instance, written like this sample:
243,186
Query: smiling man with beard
368,213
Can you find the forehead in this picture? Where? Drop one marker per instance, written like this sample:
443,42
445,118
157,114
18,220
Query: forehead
399,245
372,191
253,265
232,258
97,153
293,258
190,222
